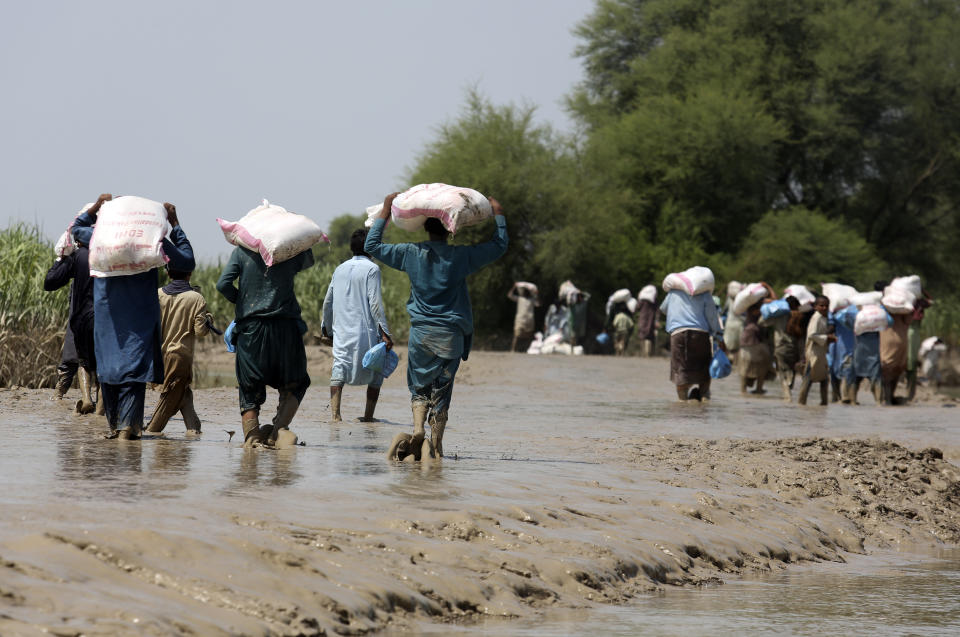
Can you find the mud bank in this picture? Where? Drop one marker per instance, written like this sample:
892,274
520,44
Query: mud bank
557,504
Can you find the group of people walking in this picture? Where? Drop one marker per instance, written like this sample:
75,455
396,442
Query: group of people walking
803,344
127,332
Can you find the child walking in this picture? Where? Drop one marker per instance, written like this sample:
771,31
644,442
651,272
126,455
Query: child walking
183,317
818,339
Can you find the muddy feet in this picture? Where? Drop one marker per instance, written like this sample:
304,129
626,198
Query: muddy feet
85,407
406,448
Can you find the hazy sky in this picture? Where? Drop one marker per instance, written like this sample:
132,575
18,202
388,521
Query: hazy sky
318,106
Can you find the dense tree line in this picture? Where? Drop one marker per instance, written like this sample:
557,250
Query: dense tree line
787,141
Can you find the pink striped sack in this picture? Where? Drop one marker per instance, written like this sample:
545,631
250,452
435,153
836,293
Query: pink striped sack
454,206
749,295
693,281
277,235
128,237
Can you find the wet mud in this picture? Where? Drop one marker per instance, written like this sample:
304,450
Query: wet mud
567,483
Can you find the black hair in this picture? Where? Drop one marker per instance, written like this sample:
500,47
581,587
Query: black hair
177,275
435,227
793,302
357,239
879,286
819,297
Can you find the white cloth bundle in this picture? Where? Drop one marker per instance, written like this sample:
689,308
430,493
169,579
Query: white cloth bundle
862,299
750,294
898,300
274,232
872,318
733,289
839,295
454,206
128,237
693,281
910,283
568,291
528,286
648,293
803,295
927,345
620,296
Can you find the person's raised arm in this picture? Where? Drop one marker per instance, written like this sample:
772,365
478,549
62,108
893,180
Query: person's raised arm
390,254
771,294
512,294
83,223
177,247
488,252
230,273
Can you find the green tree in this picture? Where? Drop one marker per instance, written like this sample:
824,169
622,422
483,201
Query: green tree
797,245
706,114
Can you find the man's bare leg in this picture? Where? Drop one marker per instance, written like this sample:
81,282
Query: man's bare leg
373,394
420,409
336,393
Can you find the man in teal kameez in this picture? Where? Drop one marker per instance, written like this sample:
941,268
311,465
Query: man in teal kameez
269,338
441,317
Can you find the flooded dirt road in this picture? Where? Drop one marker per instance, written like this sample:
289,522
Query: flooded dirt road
575,491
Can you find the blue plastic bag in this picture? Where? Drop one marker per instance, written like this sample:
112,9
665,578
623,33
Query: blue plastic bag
603,338
228,337
773,309
381,360
720,366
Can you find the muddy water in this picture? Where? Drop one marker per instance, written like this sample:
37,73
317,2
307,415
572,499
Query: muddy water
548,511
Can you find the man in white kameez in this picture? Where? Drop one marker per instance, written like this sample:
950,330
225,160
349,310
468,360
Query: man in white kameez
353,315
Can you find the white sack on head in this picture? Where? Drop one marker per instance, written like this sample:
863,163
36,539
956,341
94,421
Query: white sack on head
528,286
749,295
128,237
862,299
872,318
911,284
648,293
272,231
733,289
568,291
456,207
803,295
620,296
632,305
693,281
898,300
927,345
839,295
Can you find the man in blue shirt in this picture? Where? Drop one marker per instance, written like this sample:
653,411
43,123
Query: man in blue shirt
441,318
127,332
691,321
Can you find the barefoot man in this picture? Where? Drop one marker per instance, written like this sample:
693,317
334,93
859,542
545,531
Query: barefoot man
353,315
441,318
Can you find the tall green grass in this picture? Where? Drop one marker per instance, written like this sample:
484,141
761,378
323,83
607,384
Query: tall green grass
32,321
